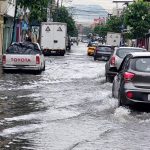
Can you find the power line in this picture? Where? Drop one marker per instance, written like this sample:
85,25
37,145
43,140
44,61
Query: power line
87,14
91,11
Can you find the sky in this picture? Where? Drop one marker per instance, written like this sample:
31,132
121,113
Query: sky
108,5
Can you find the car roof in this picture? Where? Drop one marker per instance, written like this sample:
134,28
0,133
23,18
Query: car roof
140,54
106,45
131,48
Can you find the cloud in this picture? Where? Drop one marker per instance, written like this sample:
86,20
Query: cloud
106,4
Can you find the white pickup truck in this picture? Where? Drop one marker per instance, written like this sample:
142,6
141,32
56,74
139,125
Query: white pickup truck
23,56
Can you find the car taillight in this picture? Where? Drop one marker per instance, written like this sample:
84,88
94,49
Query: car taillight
129,94
128,76
37,59
113,61
4,59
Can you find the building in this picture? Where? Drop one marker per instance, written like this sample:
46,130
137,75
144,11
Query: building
7,13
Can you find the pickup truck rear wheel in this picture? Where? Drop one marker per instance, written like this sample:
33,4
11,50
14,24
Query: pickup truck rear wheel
43,67
109,79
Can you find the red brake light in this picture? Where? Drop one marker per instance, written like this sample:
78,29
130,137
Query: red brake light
37,59
113,61
129,95
4,59
128,76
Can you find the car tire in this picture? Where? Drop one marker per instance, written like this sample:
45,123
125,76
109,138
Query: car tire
119,100
95,58
109,79
113,91
44,67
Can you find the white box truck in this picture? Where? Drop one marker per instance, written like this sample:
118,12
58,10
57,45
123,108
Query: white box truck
113,39
53,38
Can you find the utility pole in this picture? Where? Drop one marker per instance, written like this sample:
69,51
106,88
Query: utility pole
49,12
57,3
15,16
61,3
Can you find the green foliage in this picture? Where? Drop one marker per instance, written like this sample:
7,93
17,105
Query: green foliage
37,8
137,16
114,24
62,15
101,30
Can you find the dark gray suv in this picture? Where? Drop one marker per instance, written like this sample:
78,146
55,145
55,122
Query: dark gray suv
132,83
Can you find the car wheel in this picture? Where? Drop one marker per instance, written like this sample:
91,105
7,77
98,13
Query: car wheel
119,100
113,95
44,67
109,79
95,58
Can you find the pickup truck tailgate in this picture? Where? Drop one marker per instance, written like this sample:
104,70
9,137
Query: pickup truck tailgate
25,60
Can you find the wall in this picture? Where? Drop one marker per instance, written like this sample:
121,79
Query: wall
7,7
1,35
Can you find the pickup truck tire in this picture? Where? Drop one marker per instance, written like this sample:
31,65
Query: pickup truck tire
109,79
44,67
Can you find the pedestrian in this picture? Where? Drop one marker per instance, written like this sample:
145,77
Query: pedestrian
29,36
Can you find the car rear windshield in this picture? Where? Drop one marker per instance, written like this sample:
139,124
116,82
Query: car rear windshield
105,49
23,48
122,52
141,64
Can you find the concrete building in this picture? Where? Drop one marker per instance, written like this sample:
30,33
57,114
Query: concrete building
7,13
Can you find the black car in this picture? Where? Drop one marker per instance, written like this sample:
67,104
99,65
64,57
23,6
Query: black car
132,84
103,52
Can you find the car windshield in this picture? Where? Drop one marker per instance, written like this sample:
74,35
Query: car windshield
23,48
122,52
141,64
105,49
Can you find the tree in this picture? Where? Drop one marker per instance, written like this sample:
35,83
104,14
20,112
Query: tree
114,24
38,8
62,15
137,16
101,30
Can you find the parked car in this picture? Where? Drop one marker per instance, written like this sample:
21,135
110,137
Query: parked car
91,48
131,85
103,52
23,56
112,66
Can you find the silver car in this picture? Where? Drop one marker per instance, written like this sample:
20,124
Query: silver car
112,66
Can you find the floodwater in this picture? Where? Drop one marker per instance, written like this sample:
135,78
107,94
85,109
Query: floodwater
67,107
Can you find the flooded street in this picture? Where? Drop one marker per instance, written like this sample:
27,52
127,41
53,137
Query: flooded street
67,107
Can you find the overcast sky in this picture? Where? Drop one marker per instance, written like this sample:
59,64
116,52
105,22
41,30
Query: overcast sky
108,5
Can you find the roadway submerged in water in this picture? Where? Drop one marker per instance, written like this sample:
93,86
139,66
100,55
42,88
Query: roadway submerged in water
67,107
